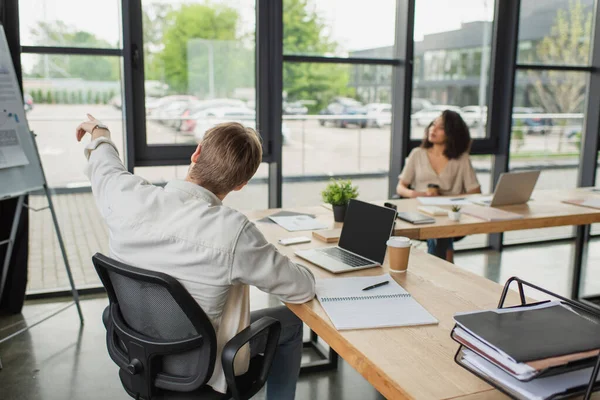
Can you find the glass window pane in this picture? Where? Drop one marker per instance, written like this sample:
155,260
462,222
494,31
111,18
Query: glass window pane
59,92
336,122
339,28
70,23
555,32
200,69
253,196
452,59
548,119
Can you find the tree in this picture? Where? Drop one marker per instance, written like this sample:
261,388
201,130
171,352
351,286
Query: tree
305,33
192,21
569,40
154,23
58,33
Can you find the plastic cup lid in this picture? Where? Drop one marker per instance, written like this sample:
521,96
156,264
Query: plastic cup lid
398,241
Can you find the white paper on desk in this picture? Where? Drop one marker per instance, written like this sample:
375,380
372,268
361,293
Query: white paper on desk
443,201
296,223
349,307
540,388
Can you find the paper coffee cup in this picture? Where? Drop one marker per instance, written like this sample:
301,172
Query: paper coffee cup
433,189
398,253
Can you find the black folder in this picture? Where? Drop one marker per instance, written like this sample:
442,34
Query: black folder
534,334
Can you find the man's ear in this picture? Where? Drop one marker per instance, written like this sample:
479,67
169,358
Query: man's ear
240,187
196,154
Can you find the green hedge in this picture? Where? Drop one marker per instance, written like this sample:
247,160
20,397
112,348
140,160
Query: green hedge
71,96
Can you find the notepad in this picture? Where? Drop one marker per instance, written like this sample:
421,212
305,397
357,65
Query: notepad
349,307
490,213
443,201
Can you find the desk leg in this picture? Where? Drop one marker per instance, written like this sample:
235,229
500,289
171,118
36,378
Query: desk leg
328,361
580,247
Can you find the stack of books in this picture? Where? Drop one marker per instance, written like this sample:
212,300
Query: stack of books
542,351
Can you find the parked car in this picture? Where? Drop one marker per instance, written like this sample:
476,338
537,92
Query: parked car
344,106
195,109
534,124
379,114
157,110
474,115
425,116
418,104
294,108
208,118
27,102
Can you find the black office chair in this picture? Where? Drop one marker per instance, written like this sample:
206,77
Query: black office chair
164,343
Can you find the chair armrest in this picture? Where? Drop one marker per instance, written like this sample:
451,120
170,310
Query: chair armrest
231,348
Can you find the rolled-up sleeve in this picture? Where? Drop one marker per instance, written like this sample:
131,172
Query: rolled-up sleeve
257,262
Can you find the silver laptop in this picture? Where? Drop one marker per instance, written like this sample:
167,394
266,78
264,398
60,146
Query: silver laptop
362,244
513,188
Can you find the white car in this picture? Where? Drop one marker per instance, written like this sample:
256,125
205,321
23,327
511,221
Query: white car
207,119
379,114
425,116
474,115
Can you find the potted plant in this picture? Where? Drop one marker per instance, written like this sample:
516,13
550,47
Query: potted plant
338,193
454,213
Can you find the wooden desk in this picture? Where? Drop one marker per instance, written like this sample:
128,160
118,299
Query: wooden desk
408,362
545,210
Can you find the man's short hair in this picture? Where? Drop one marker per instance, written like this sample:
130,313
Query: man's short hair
231,153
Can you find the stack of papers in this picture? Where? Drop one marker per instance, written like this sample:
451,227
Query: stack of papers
532,352
443,201
298,223
591,203
541,388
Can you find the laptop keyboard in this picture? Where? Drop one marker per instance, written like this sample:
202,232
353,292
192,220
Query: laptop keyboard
345,257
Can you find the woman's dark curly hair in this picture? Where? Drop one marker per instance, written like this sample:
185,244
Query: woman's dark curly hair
458,138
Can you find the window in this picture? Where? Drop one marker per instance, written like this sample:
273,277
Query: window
70,23
336,116
452,57
62,82
338,28
555,32
199,67
546,135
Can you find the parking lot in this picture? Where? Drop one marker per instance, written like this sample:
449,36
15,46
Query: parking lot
311,149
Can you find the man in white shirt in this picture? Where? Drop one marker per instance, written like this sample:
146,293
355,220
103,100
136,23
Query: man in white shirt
184,230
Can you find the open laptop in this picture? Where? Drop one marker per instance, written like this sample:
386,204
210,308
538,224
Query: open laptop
513,188
362,244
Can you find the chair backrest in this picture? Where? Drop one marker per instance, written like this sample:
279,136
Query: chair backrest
156,332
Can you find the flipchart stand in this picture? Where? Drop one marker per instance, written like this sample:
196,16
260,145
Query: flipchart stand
10,244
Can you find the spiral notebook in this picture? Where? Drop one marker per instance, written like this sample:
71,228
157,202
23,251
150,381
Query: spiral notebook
349,307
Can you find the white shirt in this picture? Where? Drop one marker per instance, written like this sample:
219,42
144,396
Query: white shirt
185,231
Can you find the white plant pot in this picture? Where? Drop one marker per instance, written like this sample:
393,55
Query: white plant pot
454,216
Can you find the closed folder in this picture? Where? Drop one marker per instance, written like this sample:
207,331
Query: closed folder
533,334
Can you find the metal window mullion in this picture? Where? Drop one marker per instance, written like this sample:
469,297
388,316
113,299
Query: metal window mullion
340,60
553,67
269,87
72,51
504,60
402,77
134,103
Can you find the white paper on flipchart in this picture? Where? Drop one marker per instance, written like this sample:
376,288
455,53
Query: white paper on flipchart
11,152
372,312
539,388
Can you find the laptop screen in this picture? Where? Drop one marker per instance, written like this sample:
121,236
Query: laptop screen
367,228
